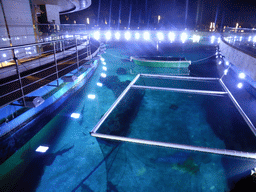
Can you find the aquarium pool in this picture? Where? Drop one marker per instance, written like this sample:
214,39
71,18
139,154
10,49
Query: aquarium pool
76,161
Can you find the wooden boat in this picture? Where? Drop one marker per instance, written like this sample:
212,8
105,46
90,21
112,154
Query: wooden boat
172,62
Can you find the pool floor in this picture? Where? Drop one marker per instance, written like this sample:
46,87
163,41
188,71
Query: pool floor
77,161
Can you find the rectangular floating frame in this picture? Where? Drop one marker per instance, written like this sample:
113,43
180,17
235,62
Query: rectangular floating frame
175,145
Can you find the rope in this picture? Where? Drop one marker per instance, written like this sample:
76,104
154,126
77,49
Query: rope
202,59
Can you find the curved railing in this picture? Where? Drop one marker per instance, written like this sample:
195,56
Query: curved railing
242,39
26,68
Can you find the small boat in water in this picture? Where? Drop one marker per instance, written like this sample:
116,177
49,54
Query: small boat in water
159,61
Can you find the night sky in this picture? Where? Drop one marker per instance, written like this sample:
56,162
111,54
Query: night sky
172,12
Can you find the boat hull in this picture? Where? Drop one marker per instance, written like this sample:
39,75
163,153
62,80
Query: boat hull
155,63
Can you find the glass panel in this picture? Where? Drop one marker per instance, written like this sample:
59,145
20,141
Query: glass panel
190,119
212,85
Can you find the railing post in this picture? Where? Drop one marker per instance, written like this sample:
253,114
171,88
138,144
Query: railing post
77,58
18,72
56,62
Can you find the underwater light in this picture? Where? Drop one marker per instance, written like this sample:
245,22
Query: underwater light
4,55
146,35
103,75
99,84
75,115
184,37
117,35
108,35
137,35
160,36
241,75
249,38
102,59
104,68
104,63
91,96
171,36
96,35
227,63
220,62
240,85
127,35
42,149
225,71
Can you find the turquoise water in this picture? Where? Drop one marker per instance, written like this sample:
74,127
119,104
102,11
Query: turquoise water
89,164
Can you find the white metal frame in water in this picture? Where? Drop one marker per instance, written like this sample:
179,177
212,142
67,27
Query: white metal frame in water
175,145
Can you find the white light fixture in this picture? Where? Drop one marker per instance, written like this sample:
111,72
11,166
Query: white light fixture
225,71
102,59
117,35
103,75
254,39
4,55
96,35
160,36
196,38
91,96
146,35
104,63
241,75
220,62
127,35
137,35
99,84
104,68
42,149
212,39
75,115
108,35
240,85
171,36
227,63
183,37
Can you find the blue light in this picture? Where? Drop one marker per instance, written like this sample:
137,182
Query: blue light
171,36
240,85
241,75
137,35
96,35
117,35
183,37
160,36
146,35
91,96
127,35
108,35
75,115
42,149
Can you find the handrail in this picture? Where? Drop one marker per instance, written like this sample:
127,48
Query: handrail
56,66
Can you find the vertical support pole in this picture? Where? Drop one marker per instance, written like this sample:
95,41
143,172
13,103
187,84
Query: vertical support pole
77,58
56,62
18,73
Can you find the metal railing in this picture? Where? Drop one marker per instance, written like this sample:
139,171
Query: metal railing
29,67
242,39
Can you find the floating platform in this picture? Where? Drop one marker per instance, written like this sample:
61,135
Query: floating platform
171,62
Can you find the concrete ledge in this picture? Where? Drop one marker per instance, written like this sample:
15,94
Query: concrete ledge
241,60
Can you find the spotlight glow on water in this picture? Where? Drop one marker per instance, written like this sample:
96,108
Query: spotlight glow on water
108,35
